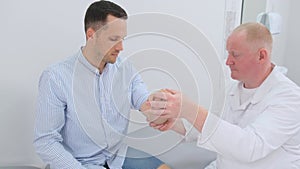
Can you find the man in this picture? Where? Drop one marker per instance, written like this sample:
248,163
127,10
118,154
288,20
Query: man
84,101
260,125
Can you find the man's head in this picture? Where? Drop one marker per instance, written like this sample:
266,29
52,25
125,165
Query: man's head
97,12
105,28
249,49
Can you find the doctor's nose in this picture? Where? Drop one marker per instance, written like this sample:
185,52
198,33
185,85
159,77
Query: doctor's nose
229,60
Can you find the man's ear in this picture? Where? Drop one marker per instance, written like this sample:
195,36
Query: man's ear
263,55
89,33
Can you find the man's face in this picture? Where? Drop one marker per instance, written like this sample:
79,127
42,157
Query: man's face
109,39
242,58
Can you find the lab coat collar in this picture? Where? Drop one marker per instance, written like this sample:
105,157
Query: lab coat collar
259,94
265,87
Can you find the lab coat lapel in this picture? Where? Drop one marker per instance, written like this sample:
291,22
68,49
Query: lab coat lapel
259,94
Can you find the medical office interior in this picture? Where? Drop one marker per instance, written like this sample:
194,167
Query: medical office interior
35,34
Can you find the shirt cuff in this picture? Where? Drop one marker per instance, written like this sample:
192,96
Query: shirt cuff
141,101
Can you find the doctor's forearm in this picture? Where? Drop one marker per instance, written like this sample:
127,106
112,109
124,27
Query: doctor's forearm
197,118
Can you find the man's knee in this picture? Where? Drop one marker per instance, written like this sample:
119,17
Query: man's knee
163,166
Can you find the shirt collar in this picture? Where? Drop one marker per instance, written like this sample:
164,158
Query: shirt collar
86,63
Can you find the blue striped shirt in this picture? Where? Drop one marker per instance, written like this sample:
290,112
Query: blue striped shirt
83,115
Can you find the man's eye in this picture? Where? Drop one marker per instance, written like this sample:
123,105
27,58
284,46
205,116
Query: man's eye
113,39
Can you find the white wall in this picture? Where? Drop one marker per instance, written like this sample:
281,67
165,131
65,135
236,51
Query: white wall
291,51
36,33
33,35
208,17
252,8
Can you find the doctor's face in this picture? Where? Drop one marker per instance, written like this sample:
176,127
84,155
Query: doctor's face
109,39
241,57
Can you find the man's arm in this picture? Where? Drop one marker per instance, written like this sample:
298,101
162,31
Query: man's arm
50,119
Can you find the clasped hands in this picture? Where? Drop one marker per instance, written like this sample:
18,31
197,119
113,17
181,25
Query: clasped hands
167,107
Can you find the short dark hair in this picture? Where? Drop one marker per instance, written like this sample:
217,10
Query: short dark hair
97,12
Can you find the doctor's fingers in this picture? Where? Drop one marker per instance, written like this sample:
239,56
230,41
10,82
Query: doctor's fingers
162,127
163,113
158,104
155,126
164,95
172,91
158,95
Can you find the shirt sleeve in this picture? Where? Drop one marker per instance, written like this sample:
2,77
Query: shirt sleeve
139,92
50,119
270,130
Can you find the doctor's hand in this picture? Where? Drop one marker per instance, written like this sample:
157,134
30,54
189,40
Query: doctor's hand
147,111
172,104
167,125
171,124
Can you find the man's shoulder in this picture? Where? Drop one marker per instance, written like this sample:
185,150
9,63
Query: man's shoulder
60,70
62,65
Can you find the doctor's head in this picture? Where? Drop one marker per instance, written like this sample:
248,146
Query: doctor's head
249,49
105,28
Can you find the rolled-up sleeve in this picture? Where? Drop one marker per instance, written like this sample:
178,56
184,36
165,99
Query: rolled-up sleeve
139,92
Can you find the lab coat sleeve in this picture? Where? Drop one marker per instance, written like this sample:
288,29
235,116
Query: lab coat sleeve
50,119
269,131
191,133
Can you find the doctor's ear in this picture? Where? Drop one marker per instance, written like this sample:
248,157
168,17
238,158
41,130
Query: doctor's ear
263,54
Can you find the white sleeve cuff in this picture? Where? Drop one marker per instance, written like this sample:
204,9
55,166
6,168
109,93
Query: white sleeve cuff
191,133
209,127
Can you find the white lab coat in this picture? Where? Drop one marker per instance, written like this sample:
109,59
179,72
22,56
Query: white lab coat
264,133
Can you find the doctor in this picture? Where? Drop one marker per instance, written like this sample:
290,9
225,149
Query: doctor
260,125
